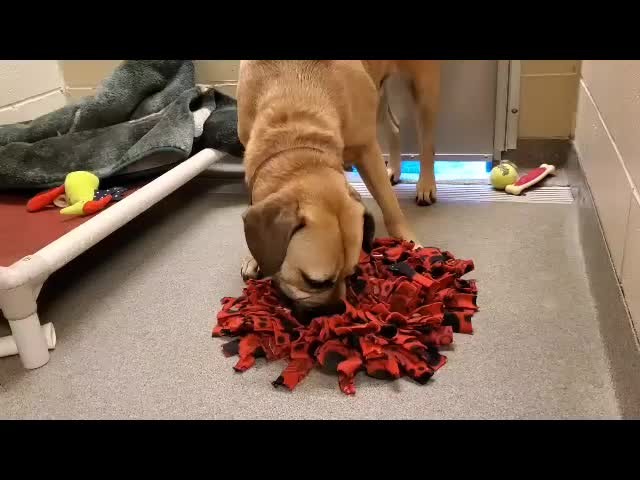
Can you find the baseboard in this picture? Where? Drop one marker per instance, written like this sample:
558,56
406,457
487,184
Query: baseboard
615,324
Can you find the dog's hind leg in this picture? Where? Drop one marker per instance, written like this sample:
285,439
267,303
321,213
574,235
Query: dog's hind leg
391,127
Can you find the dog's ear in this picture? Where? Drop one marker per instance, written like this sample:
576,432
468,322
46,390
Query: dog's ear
368,223
268,227
351,233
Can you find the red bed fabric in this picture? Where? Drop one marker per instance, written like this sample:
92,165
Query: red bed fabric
23,233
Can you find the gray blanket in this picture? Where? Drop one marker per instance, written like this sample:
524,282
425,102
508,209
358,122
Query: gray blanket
146,115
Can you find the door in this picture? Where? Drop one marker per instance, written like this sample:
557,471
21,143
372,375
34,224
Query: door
467,121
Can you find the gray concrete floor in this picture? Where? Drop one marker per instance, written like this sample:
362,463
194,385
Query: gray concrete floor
134,316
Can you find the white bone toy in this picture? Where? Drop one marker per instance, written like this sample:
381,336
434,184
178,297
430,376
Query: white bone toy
530,178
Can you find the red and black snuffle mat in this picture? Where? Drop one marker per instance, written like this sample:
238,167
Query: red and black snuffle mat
402,304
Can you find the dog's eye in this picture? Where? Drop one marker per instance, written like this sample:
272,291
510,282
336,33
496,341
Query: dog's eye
318,284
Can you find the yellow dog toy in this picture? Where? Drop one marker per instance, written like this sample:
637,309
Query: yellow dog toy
77,196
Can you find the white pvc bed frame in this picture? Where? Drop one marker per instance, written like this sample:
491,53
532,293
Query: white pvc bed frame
20,284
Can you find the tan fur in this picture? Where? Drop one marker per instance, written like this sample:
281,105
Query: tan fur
300,123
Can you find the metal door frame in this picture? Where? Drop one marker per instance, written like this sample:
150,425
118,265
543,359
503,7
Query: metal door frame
507,108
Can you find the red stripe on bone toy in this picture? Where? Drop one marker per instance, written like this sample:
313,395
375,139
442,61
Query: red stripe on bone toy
530,179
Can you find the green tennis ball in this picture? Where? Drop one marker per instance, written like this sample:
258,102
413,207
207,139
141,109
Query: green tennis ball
503,175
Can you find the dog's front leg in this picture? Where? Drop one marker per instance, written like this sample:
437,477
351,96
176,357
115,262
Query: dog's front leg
370,164
391,126
426,91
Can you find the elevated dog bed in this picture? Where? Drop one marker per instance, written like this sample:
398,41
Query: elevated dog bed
147,118
34,245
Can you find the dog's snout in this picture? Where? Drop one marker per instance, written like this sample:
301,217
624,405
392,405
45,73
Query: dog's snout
305,314
312,300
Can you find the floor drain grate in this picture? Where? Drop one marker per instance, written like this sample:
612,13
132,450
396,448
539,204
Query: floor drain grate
480,193
448,192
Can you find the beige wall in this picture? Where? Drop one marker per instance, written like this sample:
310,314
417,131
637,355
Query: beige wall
607,139
29,89
548,93
82,76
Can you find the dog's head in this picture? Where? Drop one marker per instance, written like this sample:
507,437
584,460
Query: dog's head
308,236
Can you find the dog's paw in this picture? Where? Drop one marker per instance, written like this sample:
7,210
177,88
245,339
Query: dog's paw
394,175
426,192
249,269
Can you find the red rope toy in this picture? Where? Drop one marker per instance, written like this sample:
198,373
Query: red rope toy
402,304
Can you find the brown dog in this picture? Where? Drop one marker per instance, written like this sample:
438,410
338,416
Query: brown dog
301,122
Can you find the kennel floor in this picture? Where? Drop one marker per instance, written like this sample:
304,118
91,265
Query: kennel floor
134,317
